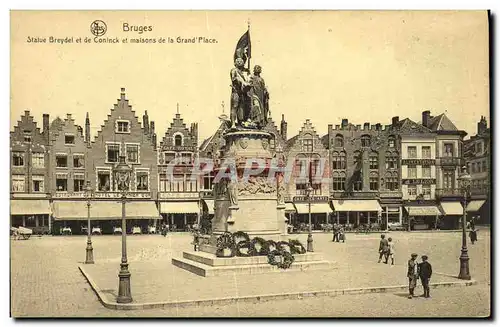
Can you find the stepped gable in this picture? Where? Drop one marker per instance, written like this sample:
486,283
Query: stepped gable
190,135
273,129
307,128
59,127
27,123
214,143
122,110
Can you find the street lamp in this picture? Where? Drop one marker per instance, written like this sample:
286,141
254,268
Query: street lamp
89,193
465,180
309,190
122,174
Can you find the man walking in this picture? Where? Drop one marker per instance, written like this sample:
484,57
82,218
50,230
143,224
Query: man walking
383,247
390,253
425,273
412,274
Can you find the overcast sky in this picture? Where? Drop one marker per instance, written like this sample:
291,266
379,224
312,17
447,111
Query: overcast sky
325,66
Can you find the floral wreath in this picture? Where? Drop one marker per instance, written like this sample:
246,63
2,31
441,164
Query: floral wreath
296,247
287,259
225,241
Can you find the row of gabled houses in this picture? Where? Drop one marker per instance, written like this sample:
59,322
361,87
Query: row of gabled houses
377,173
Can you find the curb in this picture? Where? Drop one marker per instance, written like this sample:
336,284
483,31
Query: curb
257,298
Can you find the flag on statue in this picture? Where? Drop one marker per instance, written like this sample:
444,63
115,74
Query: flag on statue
243,48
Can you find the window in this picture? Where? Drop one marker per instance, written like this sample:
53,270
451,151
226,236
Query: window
308,144
373,182
472,167
426,192
61,183
391,161
38,160
365,141
272,144
412,171
485,168
426,171
208,180
18,182
339,181
426,152
38,183
412,190
478,168
178,140
373,160
479,147
113,152
61,161
391,142
300,167
132,153
103,181
300,188
186,158
412,152
168,157
448,179
339,141
391,182
17,159
122,126
79,183
69,139
78,161
27,136
448,150
336,163
142,180
315,167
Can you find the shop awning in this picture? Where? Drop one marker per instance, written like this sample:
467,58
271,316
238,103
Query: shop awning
452,208
289,207
423,211
303,208
30,207
356,205
475,205
210,205
179,207
104,210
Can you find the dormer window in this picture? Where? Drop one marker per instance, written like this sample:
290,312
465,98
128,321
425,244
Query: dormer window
178,140
69,139
365,141
122,126
27,136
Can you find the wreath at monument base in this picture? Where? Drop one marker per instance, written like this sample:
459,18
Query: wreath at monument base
296,247
245,245
225,244
262,248
286,259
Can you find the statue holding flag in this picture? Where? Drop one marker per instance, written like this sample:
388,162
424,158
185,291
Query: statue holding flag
249,96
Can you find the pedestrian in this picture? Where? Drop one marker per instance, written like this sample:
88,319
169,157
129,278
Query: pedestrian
473,235
335,233
390,253
382,248
412,274
341,234
425,273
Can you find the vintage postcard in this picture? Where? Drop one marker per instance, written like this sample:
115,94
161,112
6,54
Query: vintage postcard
250,164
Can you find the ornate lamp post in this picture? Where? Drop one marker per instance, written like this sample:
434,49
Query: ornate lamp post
465,180
122,174
309,237
89,194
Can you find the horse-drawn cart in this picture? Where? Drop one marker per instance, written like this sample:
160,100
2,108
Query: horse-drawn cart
21,232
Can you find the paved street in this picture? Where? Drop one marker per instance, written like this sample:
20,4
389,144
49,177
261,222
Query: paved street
46,280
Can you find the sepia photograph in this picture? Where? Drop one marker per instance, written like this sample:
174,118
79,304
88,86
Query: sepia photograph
250,164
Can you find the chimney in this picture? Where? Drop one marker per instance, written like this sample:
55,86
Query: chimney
46,126
145,122
482,125
122,93
378,126
395,120
284,125
426,116
87,129
366,126
152,133
345,122
194,133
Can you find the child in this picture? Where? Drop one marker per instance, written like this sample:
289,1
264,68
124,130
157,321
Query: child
390,253
425,273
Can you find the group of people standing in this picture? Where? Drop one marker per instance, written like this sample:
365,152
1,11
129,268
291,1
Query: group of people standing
338,233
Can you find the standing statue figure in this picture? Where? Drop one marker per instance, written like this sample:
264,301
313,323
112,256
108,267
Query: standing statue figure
259,95
240,101
233,194
281,194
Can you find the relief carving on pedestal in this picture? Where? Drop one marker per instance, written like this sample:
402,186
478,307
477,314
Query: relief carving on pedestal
256,185
265,143
244,143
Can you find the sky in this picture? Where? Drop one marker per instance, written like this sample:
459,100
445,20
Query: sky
318,65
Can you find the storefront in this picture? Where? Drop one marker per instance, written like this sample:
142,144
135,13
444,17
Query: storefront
422,217
105,215
357,212
478,210
31,213
453,212
180,215
318,206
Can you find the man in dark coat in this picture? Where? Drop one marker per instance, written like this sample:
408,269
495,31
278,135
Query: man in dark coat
425,273
383,247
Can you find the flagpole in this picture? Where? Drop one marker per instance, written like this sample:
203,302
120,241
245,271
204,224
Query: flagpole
249,43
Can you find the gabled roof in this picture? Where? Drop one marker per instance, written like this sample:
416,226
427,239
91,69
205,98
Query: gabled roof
441,123
409,126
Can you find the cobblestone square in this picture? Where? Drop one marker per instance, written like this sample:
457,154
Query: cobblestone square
47,268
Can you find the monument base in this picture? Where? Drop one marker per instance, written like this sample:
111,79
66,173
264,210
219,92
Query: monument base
207,264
